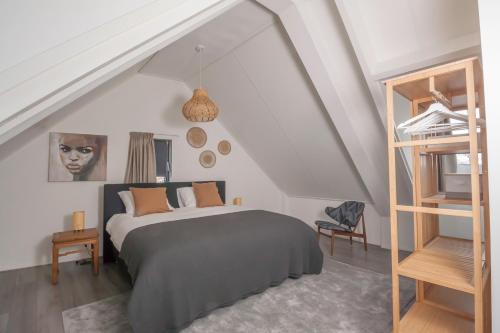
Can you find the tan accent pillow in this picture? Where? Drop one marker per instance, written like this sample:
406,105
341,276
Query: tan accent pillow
149,200
207,195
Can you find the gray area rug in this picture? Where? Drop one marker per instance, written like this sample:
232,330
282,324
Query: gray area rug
343,298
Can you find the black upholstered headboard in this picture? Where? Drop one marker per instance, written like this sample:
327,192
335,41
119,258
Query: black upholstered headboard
114,205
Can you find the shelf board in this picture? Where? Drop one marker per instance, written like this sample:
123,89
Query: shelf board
433,141
451,245
460,148
436,211
449,79
424,318
443,261
440,198
449,148
458,247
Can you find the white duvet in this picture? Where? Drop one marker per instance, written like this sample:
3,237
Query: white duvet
119,225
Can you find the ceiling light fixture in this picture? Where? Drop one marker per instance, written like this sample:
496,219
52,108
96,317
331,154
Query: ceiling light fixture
200,108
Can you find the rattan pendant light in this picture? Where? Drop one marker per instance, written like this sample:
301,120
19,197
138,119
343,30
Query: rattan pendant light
200,108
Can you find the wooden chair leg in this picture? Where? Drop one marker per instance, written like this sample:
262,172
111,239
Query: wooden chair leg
364,232
95,257
333,241
55,264
350,238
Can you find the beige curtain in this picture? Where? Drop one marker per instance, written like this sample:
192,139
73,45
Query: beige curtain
141,164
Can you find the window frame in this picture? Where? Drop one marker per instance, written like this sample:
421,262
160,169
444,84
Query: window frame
168,160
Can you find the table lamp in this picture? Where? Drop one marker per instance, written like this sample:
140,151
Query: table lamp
79,220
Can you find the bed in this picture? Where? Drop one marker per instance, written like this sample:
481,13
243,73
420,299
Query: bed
186,263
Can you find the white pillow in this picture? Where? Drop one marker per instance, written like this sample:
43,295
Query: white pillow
128,202
185,196
179,200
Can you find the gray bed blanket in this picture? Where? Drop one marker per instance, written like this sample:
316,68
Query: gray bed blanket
182,270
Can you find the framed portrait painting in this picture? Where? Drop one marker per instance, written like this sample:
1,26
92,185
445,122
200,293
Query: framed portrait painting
77,157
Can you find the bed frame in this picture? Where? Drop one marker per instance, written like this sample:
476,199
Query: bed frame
114,205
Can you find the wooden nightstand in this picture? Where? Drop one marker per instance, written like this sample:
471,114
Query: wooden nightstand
72,238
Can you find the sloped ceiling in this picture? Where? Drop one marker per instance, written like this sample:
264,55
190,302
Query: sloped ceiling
68,18
391,38
267,101
397,34
103,42
277,105
288,83
219,36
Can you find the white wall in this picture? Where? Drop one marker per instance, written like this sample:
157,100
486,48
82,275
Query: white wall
32,209
489,12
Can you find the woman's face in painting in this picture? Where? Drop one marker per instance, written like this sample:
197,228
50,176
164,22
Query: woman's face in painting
78,153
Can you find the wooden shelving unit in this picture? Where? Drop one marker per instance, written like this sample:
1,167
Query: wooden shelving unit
453,284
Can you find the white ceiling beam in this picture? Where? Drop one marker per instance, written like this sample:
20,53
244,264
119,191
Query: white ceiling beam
276,6
34,89
370,164
377,92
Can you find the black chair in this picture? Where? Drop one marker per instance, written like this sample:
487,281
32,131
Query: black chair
347,217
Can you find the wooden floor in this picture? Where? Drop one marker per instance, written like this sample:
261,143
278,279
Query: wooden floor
30,303
375,259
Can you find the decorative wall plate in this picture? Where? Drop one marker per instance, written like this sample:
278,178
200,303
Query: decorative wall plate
207,159
224,147
196,137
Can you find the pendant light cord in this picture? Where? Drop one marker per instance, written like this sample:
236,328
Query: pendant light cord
199,48
200,53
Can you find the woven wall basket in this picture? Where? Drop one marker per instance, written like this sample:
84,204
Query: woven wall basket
207,159
200,108
196,137
224,147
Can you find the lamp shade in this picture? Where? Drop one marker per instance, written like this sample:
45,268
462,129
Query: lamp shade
78,220
200,108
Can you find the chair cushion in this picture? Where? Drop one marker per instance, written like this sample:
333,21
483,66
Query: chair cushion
347,214
331,226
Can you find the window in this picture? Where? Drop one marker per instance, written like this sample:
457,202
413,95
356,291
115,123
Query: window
456,164
163,152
